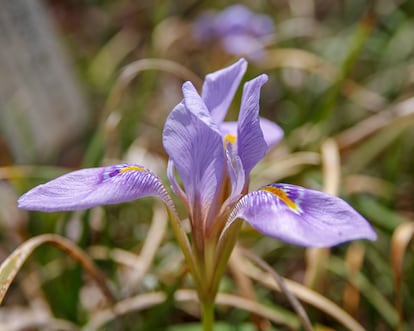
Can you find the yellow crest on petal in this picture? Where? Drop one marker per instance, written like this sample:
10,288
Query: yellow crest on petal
132,168
229,138
282,195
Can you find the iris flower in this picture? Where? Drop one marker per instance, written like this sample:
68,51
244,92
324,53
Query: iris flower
240,31
209,165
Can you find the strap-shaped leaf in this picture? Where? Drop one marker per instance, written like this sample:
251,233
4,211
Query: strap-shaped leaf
11,266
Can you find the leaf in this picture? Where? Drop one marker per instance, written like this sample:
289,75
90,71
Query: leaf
217,327
304,294
353,260
367,289
399,243
11,266
149,300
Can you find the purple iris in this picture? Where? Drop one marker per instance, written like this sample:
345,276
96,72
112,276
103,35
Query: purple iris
240,31
213,159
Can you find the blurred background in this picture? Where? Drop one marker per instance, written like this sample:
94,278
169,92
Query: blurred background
90,82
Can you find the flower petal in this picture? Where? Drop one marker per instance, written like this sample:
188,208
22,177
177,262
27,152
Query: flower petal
235,171
233,20
203,28
302,217
272,132
195,105
219,88
178,191
228,128
238,19
251,145
87,188
194,144
244,45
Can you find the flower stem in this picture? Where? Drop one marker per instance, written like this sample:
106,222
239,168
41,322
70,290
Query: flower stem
184,245
207,315
225,247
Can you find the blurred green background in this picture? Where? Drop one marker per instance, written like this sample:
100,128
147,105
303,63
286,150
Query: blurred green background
86,83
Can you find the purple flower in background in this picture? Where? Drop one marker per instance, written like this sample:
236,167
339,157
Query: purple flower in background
240,31
213,160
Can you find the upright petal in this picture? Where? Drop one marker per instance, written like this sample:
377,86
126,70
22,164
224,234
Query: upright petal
251,145
195,145
272,133
219,88
302,217
235,171
93,187
195,105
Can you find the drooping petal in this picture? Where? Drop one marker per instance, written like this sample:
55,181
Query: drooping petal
219,88
272,132
251,145
302,217
195,145
87,188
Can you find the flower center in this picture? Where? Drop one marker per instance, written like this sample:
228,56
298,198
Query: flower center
229,138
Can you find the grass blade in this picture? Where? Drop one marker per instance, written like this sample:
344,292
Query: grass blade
11,266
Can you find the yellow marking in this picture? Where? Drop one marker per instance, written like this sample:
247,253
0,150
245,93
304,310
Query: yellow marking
229,138
282,196
132,168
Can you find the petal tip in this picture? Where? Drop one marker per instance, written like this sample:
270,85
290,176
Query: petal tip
263,78
371,235
20,202
187,85
322,220
243,62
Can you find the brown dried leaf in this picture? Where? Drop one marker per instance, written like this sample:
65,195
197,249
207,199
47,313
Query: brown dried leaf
353,260
11,266
399,243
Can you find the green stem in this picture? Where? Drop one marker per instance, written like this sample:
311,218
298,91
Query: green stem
225,247
207,315
209,264
185,246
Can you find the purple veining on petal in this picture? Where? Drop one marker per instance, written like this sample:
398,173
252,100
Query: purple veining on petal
251,145
288,197
272,133
87,188
219,88
194,144
302,217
